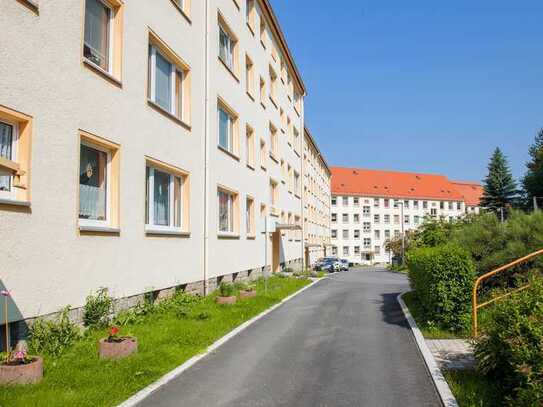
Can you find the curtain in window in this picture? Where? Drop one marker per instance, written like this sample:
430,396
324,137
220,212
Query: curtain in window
225,48
92,184
163,86
177,202
97,17
224,129
226,223
6,141
162,198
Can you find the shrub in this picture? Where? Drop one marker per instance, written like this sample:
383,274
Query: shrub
226,290
97,309
53,336
511,348
443,278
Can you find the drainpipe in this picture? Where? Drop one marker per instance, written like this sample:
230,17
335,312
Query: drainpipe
206,150
302,182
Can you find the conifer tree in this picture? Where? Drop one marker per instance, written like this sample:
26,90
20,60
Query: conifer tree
532,182
499,186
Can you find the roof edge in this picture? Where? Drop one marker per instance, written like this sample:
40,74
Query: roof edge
314,143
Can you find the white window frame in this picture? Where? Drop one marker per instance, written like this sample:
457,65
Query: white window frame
12,193
176,108
110,43
107,221
151,226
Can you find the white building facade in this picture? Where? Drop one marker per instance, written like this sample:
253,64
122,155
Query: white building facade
142,145
372,207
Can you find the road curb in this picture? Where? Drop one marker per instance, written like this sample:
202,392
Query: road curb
168,377
441,385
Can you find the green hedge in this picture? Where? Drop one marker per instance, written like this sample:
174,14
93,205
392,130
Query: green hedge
443,278
511,348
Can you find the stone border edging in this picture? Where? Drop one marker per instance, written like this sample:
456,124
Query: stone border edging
441,385
168,377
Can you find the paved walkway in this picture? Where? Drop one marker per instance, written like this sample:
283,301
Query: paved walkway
343,342
452,354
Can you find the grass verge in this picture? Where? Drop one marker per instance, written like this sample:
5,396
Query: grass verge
473,390
166,340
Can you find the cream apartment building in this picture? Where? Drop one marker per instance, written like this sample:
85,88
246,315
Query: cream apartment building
142,146
316,183
370,207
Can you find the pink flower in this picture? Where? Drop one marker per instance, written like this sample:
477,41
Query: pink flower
21,354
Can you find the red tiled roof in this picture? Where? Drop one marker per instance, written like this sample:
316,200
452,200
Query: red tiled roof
393,184
471,191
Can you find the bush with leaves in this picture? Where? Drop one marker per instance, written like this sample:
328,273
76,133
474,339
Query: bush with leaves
443,278
53,336
97,309
510,350
227,290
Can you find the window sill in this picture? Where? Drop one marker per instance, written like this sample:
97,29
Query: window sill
296,110
263,167
104,74
183,13
99,229
231,154
170,116
227,235
15,202
151,231
235,76
251,237
251,166
250,28
31,5
274,158
274,102
250,95
263,105
262,43
283,131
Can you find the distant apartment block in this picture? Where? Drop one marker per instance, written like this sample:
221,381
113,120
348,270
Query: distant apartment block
371,207
142,146
316,197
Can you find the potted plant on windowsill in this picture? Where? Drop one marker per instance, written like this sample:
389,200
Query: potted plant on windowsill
20,368
226,294
246,291
116,346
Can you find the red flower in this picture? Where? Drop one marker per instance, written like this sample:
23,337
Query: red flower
113,331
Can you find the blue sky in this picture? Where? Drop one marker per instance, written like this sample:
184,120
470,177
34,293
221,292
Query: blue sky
420,85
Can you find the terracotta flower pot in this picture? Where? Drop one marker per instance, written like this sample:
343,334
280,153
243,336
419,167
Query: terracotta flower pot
22,374
245,294
117,350
226,300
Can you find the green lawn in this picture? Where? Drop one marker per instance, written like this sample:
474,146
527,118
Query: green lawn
473,390
166,340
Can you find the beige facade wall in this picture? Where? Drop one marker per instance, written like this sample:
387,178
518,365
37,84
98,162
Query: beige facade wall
49,259
317,183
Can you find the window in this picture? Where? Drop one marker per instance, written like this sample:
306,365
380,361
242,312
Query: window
356,201
250,144
98,182
376,218
334,201
441,205
228,47
296,184
377,250
357,250
297,101
366,227
377,234
345,218
289,176
93,186
345,201
263,92
334,251
227,203
345,234
102,37
387,234
396,204
357,233
356,218
169,81
249,77
396,219
250,217
273,86
250,12
386,203
433,212
166,199
274,151
415,204
387,219
366,211
367,243
228,123
334,218
345,250
425,204
296,141
406,219
15,137
416,220
334,233
397,233
376,202
406,204
263,31
263,154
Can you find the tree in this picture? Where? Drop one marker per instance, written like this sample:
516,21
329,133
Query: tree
499,186
532,182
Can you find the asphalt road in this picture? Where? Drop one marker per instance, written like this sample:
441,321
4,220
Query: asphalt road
343,342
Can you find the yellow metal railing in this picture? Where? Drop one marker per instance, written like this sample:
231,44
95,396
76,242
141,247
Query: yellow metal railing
486,276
